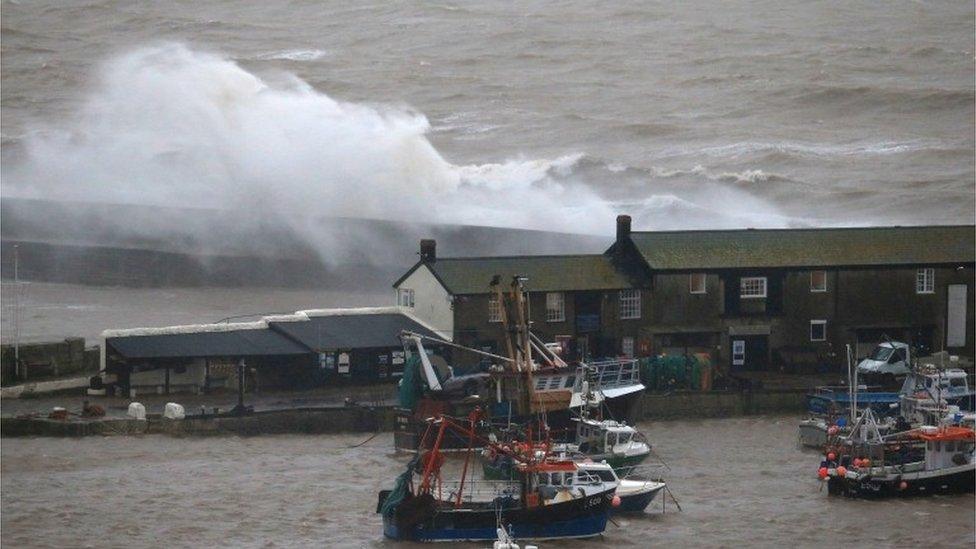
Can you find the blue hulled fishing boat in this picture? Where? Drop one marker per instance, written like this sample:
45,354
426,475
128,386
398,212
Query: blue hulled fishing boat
550,500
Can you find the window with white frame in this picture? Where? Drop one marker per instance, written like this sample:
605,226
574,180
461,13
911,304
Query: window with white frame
627,347
818,330
405,297
818,281
696,283
925,281
555,307
630,304
752,287
494,309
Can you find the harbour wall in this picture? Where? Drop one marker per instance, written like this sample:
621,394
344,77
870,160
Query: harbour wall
352,419
343,419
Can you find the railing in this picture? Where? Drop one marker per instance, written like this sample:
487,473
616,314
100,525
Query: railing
608,374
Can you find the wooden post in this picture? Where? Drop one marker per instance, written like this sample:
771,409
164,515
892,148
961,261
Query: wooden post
206,375
240,386
167,380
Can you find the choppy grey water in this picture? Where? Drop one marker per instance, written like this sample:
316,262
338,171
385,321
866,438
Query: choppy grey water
740,482
701,113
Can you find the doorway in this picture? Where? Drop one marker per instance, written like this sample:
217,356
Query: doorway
749,353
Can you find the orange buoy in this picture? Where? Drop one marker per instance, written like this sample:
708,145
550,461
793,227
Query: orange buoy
822,473
857,462
615,501
903,485
833,430
865,462
831,456
842,471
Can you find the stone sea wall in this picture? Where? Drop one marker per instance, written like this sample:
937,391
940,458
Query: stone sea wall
688,405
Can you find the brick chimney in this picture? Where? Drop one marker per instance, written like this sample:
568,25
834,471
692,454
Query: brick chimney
428,250
623,227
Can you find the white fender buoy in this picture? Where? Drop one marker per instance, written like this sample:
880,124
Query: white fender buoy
174,411
137,411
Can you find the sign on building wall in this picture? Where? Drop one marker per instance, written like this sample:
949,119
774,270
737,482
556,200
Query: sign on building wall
343,363
738,352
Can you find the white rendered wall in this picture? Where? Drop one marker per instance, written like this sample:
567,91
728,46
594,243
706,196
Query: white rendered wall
432,303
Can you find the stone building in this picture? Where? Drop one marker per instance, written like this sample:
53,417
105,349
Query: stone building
788,299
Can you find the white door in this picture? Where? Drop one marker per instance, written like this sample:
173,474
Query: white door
956,316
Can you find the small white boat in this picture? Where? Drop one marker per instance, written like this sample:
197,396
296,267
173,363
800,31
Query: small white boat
635,495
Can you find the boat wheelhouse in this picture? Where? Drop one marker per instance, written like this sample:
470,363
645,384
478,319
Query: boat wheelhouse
615,442
930,392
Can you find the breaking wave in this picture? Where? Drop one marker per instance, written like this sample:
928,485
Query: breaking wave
746,176
170,126
292,55
798,149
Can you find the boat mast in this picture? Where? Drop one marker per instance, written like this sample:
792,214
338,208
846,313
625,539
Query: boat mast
850,386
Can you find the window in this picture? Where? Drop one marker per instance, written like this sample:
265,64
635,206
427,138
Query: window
752,287
925,281
818,281
405,298
696,283
627,347
818,330
494,309
630,304
555,307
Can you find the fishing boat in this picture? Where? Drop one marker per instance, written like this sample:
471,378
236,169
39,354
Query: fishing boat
948,467
931,391
635,495
833,399
550,499
614,442
599,440
530,379
617,443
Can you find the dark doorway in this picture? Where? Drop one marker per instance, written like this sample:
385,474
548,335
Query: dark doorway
587,306
749,353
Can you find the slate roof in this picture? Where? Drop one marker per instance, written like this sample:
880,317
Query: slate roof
231,343
351,331
553,273
302,333
829,247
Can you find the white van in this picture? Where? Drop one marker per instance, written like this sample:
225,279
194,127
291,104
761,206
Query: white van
887,358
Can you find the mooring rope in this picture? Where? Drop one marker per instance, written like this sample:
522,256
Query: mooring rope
371,437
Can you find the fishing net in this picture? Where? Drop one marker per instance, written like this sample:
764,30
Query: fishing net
411,386
400,488
672,372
